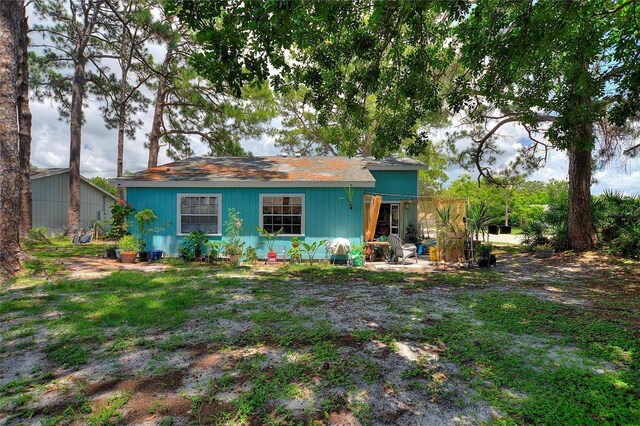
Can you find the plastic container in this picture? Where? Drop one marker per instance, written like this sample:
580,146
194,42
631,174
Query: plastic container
155,255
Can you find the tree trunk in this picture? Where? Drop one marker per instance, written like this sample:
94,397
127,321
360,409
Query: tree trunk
158,111
24,119
506,210
121,125
75,118
11,14
581,231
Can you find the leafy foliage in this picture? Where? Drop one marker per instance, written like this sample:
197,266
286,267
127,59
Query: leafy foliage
346,54
120,214
104,184
233,230
617,223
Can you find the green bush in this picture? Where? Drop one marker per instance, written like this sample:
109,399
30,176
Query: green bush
129,243
616,218
39,235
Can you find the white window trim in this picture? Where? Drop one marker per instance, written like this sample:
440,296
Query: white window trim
304,212
179,221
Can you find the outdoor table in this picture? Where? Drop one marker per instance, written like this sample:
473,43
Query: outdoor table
372,245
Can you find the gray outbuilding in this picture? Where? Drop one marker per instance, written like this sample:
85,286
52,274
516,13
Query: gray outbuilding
50,192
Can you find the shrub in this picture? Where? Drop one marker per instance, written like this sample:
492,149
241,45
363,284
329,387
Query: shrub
193,245
250,254
39,235
120,213
129,243
484,251
616,218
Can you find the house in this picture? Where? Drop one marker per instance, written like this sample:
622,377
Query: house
314,198
50,200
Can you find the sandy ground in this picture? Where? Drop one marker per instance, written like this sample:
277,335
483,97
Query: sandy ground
187,371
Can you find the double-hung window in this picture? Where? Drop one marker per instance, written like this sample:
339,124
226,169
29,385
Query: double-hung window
282,211
199,212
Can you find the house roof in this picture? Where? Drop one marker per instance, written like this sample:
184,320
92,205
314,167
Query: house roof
266,171
43,173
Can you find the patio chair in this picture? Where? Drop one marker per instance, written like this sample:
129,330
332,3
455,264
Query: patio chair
338,247
402,251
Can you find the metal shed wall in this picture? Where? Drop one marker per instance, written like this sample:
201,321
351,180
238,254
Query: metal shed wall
51,203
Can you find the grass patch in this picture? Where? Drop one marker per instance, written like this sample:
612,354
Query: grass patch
544,391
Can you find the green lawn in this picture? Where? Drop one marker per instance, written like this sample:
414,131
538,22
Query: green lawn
304,344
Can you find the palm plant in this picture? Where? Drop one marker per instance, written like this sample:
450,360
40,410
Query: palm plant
270,237
479,219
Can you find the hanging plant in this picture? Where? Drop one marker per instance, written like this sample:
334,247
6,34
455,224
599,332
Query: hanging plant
349,191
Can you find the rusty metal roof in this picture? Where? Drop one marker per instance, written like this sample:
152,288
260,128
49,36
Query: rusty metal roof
266,171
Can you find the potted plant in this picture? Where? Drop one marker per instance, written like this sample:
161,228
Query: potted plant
311,249
295,242
271,240
295,254
543,251
478,220
411,234
119,225
483,255
192,247
213,250
111,252
233,247
250,255
129,248
145,219
357,254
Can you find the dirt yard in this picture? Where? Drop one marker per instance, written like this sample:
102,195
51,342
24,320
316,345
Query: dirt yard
531,341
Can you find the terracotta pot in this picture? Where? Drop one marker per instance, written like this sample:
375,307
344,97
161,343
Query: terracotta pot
128,256
295,244
235,258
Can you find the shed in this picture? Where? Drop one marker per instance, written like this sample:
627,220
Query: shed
50,195
312,198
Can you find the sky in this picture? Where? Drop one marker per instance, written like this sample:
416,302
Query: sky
50,148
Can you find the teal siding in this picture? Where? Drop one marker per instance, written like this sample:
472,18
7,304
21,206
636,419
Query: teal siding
327,214
402,183
398,186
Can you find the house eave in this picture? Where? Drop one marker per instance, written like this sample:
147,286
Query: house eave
239,184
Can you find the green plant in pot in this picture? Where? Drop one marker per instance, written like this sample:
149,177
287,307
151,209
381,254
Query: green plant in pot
250,255
129,248
213,248
145,219
483,255
543,251
295,242
233,246
193,246
311,249
295,254
270,242
357,254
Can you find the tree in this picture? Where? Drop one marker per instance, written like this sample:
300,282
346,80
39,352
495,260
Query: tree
72,40
24,120
580,73
188,106
301,133
353,57
104,184
11,39
127,41
580,68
